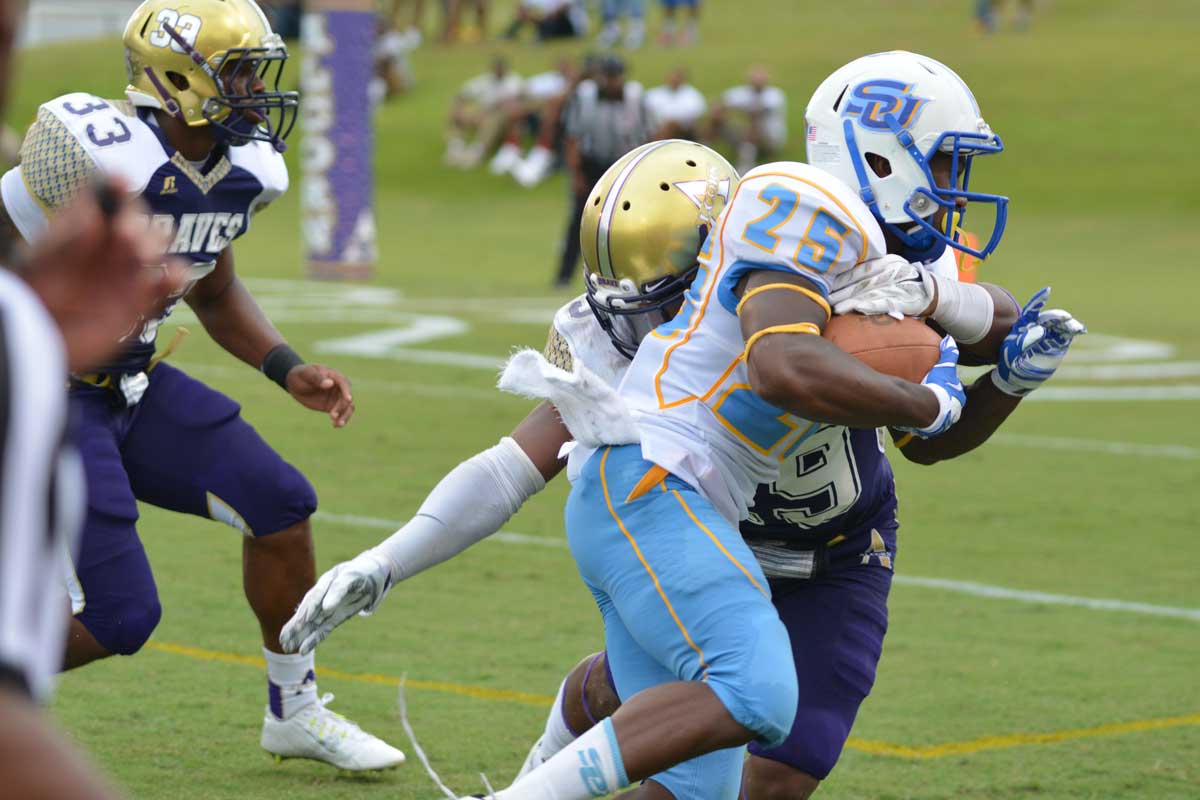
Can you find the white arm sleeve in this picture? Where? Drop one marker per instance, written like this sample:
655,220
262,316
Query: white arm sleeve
468,505
964,310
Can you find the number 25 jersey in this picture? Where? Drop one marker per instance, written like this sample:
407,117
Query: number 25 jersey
698,416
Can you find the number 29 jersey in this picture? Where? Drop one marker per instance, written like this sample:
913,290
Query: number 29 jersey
697,414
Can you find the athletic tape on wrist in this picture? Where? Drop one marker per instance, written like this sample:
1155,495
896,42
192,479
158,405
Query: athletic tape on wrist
964,310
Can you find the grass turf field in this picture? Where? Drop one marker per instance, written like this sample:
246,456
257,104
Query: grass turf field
1086,495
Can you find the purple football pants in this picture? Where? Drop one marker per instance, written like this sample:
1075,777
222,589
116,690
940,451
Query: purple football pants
836,623
184,447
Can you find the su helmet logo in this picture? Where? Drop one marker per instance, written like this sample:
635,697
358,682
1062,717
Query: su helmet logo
874,101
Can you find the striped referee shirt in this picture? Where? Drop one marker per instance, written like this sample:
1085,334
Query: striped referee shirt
605,127
41,490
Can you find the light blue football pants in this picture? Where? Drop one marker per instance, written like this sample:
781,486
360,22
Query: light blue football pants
682,598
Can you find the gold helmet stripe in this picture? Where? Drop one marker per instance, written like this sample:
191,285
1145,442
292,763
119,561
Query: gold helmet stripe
603,253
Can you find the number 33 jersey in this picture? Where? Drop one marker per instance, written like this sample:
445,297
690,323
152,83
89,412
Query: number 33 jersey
200,207
699,418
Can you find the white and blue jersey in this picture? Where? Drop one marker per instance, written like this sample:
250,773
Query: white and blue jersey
838,486
202,207
689,383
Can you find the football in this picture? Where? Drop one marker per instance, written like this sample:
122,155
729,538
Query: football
904,348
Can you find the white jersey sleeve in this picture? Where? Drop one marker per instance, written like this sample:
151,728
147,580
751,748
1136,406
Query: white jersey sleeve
790,217
74,138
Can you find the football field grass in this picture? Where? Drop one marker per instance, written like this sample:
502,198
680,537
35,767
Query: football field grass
1045,624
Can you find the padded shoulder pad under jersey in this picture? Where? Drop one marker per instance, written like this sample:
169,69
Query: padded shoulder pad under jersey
557,351
266,164
78,135
792,217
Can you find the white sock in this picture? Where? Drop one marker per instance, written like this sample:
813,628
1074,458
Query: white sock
555,737
557,734
591,766
291,683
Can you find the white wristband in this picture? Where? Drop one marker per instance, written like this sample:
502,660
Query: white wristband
964,310
471,503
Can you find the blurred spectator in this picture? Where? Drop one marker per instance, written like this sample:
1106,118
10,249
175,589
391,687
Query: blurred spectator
477,114
676,108
552,19
393,72
544,155
752,119
675,33
634,13
405,16
986,12
535,113
605,120
455,11
284,16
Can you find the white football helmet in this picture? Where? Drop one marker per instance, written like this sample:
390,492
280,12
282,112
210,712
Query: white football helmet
905,108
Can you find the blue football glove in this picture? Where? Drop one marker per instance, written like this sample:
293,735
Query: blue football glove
943,381
1035,346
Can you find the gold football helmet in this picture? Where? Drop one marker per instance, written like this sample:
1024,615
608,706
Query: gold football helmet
643,226
211,62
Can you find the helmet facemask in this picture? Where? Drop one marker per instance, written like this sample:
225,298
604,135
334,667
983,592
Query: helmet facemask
249,115
906,109
627,313
239,113
922,240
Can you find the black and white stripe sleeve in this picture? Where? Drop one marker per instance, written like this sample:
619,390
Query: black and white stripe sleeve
39,481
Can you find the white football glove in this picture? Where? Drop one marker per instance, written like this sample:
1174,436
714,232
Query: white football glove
353,587
1035,346
885,285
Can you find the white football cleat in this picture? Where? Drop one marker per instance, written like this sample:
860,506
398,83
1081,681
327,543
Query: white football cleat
317,733
507,157
534,168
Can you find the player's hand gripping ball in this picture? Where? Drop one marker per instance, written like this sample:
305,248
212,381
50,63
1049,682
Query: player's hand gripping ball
903,348
886,285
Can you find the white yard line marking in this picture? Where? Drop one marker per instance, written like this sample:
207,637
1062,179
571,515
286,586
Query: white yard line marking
442,358
510,537
1045,598
391,387
1120,394
1178,451
1123,372
959,587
